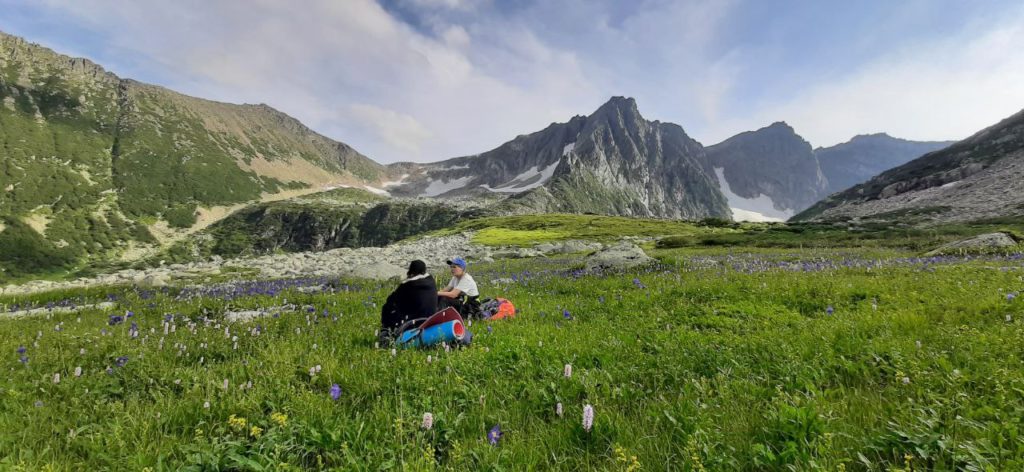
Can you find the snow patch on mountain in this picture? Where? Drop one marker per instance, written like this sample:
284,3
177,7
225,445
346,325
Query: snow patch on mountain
392,183
568,148
760,208
378,191
441,186
532,178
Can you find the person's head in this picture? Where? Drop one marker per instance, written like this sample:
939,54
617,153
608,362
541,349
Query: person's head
417,267
458,266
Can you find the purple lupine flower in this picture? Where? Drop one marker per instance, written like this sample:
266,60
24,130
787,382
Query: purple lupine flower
335,392
490,329
638,283
22,350
1010,296
830,310
566,314
121,361
23,359
115,320
494,435
130,314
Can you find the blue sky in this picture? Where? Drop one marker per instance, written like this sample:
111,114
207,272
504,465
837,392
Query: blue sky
424,80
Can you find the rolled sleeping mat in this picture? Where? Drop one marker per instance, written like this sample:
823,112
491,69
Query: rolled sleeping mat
447,332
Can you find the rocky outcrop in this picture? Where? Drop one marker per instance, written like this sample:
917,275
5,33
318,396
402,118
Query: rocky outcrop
980,244
624,255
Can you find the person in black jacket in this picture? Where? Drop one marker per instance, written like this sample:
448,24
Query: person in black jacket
415,297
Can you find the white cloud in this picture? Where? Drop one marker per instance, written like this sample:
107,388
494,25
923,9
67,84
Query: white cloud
399,130
940,90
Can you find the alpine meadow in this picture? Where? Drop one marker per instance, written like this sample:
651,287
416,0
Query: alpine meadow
202,284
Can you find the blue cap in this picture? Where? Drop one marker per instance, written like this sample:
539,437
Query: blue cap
458,261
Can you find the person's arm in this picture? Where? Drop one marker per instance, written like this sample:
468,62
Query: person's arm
451,293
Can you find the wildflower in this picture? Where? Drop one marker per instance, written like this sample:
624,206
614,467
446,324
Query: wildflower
588,418
494,435
78,371
1009,318
23,359
429,358
830,310
121,361
225,385
566,314
280,418
428,421
335,392
81,352
394,352
918,344
490,329
22,350
1010,296
567,372
237,423
39,403
114,320
56,378
206,405
558,409
906,380
255,431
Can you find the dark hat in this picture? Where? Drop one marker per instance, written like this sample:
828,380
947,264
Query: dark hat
417,267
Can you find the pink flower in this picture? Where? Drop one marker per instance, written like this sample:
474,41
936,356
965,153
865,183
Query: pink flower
588,418
428,421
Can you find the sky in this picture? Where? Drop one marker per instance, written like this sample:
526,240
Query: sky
425,80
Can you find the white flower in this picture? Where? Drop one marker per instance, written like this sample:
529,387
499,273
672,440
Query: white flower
225,387
78,371
558,409
588,417
206,405
81,352
428,421
430,358
568,371
1009,318
918,343
56,378
906,380
394,352
312,371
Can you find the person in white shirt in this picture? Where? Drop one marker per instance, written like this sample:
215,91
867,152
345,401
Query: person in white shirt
461,284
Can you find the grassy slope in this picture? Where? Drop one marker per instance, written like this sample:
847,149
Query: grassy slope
526,230
727,369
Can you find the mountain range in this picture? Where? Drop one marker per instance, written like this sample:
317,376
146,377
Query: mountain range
93,163
981,177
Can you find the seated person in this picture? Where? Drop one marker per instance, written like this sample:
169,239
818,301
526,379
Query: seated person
462,286
415,297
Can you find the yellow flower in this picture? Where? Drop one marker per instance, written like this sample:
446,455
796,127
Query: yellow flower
280,418
255,432
237,423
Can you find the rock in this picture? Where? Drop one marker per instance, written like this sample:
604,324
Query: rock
979,244
153,280
378,271
620,256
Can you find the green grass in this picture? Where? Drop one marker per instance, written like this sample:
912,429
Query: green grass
694,364
526,230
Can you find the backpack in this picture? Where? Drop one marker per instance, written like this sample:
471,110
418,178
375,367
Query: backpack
497,309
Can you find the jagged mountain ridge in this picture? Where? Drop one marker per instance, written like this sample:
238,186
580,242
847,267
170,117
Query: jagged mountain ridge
611,162
979,177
